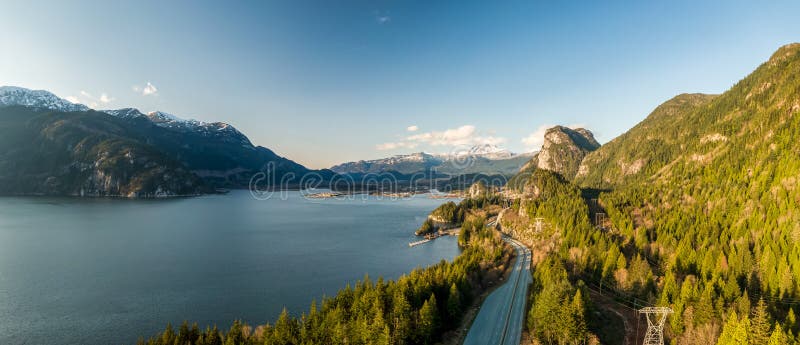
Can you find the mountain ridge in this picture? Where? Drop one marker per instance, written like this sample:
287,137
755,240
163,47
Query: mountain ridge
210,155
695,208
484,159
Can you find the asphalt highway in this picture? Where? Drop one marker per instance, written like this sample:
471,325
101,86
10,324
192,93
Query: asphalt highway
501,317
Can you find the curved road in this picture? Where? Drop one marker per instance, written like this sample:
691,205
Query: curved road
502,314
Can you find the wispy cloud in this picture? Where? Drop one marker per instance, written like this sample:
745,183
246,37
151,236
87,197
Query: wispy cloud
395,145
412,128
382,17
84,97
466,135
148,90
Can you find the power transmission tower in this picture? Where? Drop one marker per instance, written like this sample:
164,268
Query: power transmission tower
538,224
600,220
656,316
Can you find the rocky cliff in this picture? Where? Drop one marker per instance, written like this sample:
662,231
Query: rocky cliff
563,150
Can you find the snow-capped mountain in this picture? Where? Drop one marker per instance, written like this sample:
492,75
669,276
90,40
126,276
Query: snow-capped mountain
167,120
125,113
488,151
39,99
484,158
214,152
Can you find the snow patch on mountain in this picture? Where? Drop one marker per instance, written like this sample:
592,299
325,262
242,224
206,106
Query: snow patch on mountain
39,99
125,113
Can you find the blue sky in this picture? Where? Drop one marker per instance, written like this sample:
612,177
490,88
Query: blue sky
326,82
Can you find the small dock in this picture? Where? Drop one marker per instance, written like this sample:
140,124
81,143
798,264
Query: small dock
419,242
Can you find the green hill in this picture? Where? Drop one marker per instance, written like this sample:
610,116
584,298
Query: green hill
697,210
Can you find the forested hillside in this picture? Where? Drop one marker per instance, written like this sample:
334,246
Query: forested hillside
698,212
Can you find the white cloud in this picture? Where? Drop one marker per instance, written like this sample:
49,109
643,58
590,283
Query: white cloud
395,145
412,128
535,140
149,89
466,135
84,97
382,17
104,98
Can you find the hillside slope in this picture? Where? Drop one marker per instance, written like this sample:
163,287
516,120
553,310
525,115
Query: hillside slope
83,153
217,152
646,147
699,213
51,146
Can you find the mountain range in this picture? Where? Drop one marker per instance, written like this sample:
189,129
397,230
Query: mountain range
51,146
480,159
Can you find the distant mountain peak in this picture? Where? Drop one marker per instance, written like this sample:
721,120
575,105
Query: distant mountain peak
39,99
488,149
125,113
161,116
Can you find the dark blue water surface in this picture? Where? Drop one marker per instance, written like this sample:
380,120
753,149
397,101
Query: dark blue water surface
105,271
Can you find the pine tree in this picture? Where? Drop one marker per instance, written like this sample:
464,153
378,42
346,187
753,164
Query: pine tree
742,334
285,330
428,320
453,304
183,334
577,314
791,321
235,336
777,337
761,324
168,337
729,331
704,310
400,317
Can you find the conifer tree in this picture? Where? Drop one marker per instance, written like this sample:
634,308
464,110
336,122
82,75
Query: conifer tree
760,325
453,304
777,337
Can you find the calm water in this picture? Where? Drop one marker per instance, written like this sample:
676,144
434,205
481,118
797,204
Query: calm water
105,271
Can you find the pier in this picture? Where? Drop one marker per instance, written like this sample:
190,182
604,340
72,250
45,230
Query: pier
435,235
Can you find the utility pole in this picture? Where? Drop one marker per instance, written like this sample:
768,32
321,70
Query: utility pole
656,316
